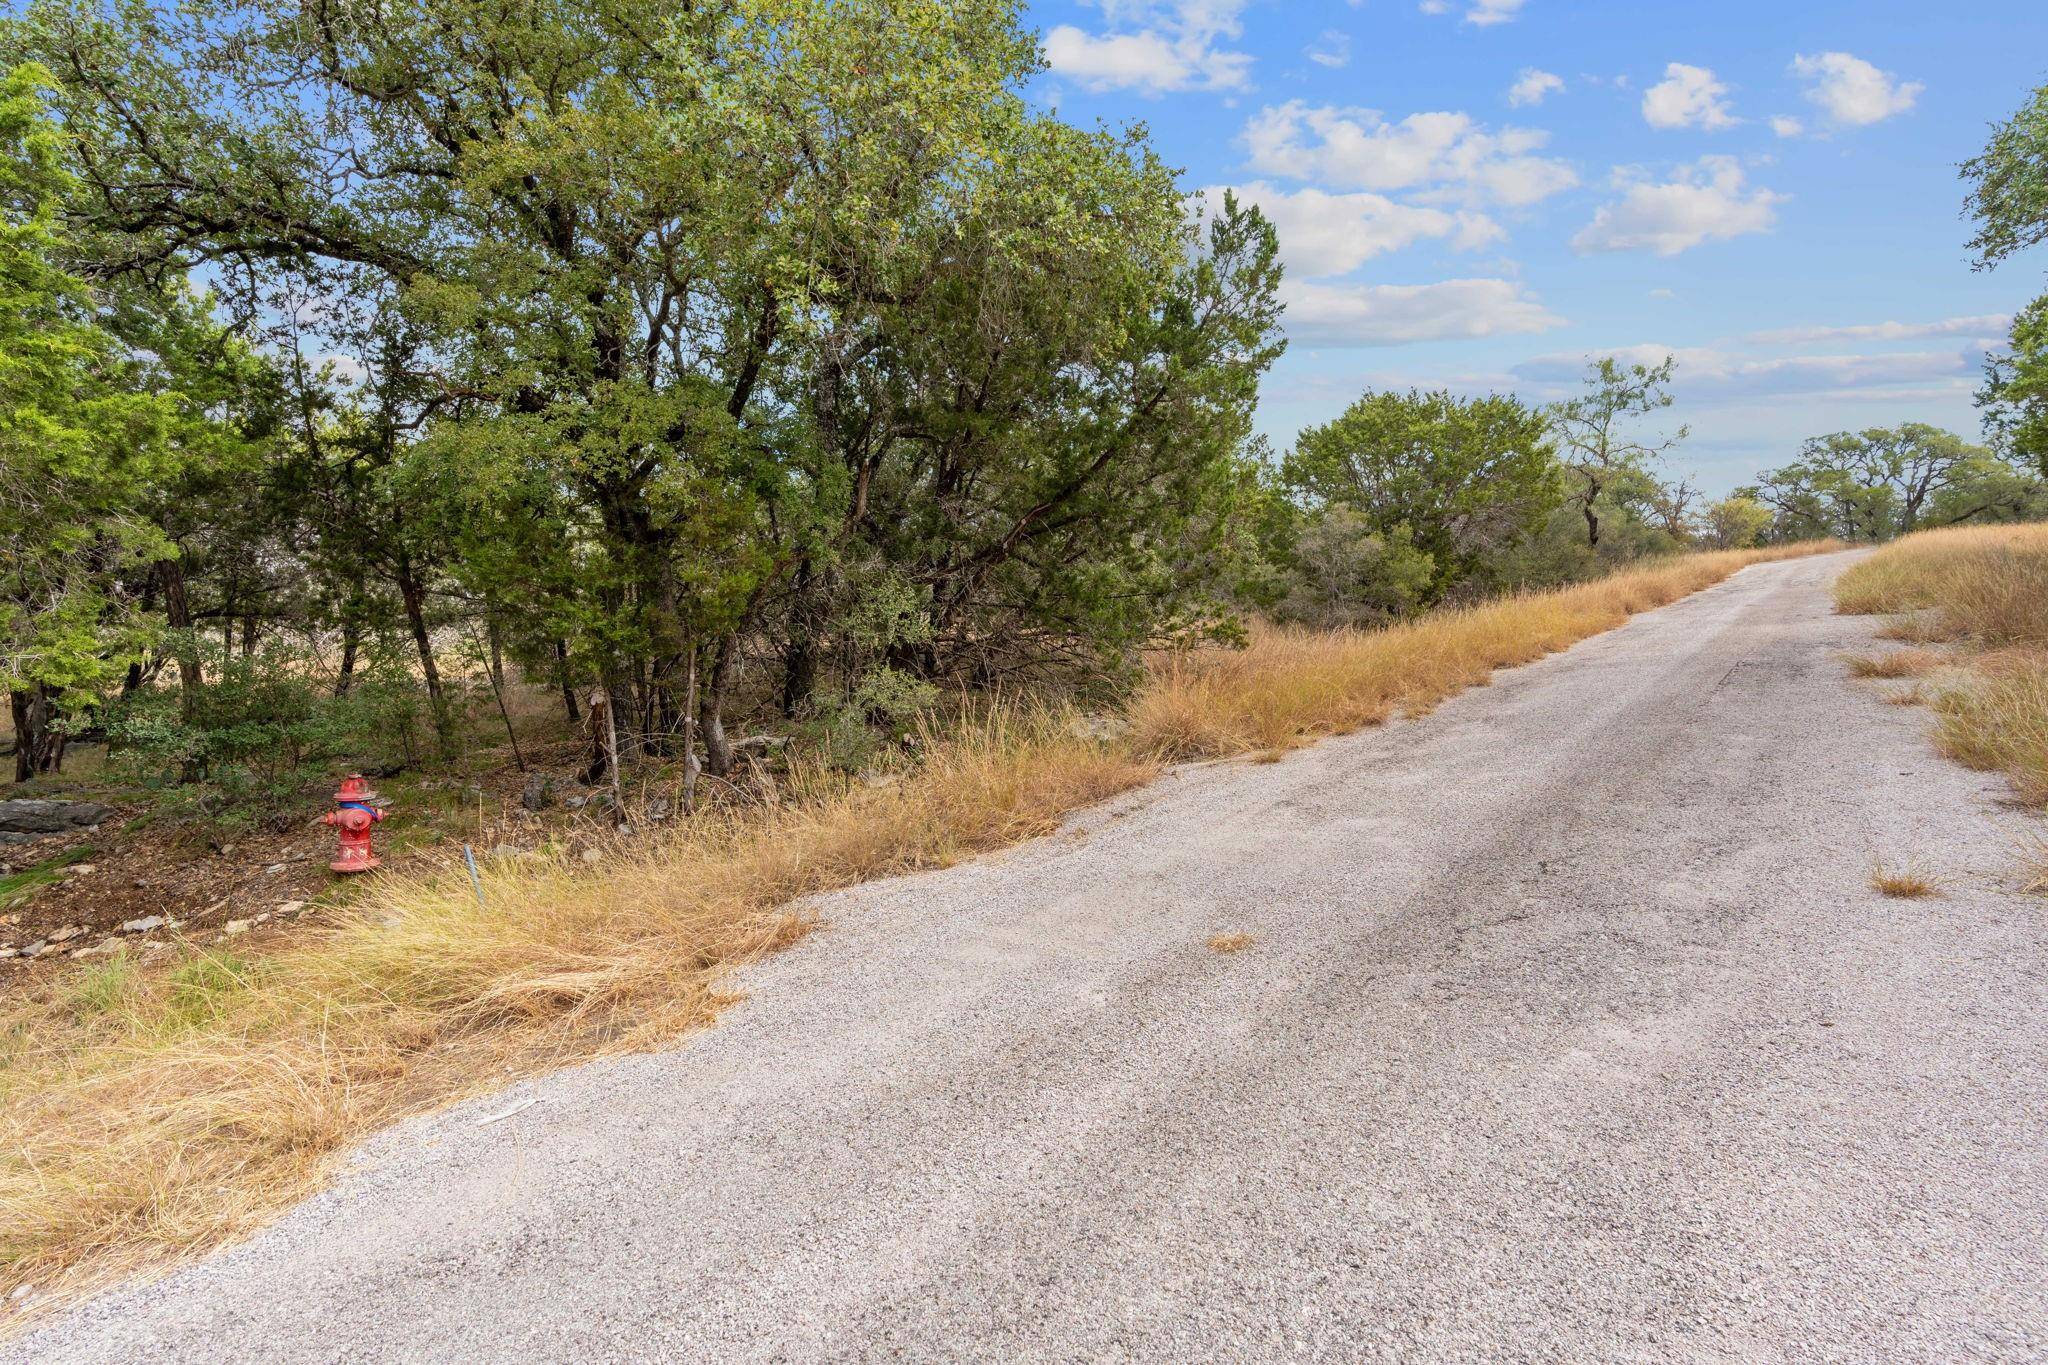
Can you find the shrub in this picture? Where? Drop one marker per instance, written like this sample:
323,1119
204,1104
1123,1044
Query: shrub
249,742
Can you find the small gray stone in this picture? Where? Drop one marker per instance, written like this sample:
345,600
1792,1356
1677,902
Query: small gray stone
67,933
144,925
538,793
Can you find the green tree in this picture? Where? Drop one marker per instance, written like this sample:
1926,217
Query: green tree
1600,455
713,322
1457,480
1875,484
82,439
2008,198
1738,521
2014,398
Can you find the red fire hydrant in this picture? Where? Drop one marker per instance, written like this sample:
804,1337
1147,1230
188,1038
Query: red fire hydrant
354,813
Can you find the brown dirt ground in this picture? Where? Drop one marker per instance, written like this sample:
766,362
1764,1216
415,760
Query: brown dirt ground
200,880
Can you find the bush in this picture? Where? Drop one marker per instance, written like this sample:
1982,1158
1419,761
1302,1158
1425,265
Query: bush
250,742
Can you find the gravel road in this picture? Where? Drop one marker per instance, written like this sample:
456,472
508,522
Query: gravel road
1572,1030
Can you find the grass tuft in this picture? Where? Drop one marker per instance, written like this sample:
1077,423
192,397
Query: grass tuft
1900,884
1230,943
17,886
1898,663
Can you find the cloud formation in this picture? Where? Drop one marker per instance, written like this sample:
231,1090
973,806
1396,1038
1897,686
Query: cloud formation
1154,46
1485,13
1704,202
1687,97
1984,325
1851,91
1348,315
1533,86
1333,49
1710,375
1358,149
1324,234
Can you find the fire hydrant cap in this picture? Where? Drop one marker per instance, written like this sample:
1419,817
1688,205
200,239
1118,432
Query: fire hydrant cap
355,787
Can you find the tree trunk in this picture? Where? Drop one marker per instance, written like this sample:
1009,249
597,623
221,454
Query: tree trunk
132,683
604,736
496,637
351,637
38,748
800,655
690,768
178,615
562,675
413,594
351,642
1592,525
717,748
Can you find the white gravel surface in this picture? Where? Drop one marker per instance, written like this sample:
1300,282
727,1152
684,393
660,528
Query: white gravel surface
1572,1031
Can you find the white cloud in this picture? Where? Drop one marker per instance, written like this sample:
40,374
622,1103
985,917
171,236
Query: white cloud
1705,202
1481,13
1485,12
1532,85
1983,325
1154,46
1852,91
1784,125
1332,234
1687,97
1345,315
1359,149
1708,375
1333,49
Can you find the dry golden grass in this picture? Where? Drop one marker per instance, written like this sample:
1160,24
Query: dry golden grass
1291,686
1901,884
1985,583
1899,663
1985,587
147,1113
1996,720
1230,943
144,1113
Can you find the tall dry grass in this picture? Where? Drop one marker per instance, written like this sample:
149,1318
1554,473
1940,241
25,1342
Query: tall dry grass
1295,686
149,1113
1983,589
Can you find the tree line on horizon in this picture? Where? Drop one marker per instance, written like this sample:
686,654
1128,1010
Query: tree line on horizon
772,359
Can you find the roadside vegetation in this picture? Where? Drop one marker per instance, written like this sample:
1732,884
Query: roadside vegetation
1983,593
153,1111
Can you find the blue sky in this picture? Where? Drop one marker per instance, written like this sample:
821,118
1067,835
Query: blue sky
1480,193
